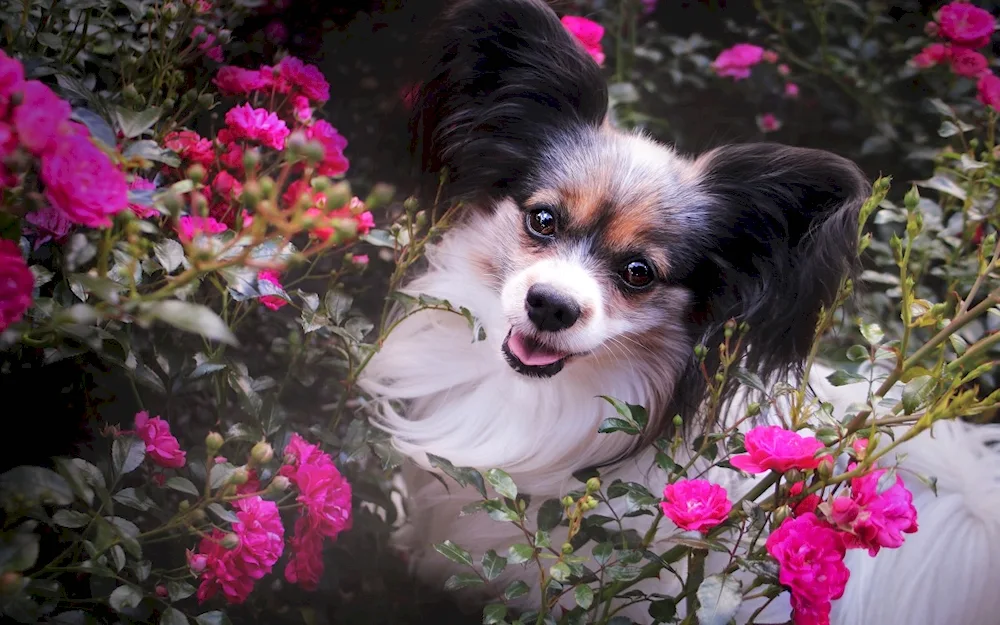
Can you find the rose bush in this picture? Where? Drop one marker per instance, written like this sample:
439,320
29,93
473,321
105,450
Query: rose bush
154,190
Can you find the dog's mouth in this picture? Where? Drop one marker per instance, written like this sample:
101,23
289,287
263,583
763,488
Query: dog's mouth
528,356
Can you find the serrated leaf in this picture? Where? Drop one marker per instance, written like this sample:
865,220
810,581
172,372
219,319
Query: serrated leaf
631,413
127,453
502,483
337,304
462,580
124,597
886,481
454,553
749,378
516,589
133,499
560,572
134,123
493,565
520,553
173,616
182,484
916,392
584,596
719,597
494,613
70,518
194,318
621,573
873,333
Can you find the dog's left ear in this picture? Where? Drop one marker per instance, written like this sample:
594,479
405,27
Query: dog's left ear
781,235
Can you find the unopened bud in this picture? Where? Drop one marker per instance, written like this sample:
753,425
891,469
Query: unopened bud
267,186
196,561
567,548
131,95
230,541
339,194
380,195
262,453
313,152
196,173
912,198
183,505
280,484
169,103
161,591
753,409
794,475
410,205
170,11
593,485
206,101
567,501
825,468
589,503
224,36
420,220
11,583
251,159
296,142
239,477
678,421
700,351
782,513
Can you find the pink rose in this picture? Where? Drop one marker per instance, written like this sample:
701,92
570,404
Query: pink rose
805,504
334,162
791,90
769,56
276,32
784,70
695,505
360,259
773,448
588,33
227,187
48,224
737,60
246,122
303,78
161,446
191,226
301,107
988,89
190,146
648,7
238,81
305,567
882,519
40,118
968,63
16,284
11,79
768,123
932,55
207,46
274,302
860,447
82,182
811,560
141,209
966,25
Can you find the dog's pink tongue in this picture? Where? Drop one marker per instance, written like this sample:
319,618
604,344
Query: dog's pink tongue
532,355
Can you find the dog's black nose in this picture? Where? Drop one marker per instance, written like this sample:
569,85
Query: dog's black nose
550,310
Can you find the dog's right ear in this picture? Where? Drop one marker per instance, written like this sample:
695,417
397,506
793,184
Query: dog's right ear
505,80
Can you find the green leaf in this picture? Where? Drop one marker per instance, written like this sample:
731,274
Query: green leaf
70,518
118,557
550,514
215,617
494,613
179,590
465,476
749,378
560,572
840,378
127,453
222,513
124,597
454,553
170,254
632,414
516,589
141,569
18,550
134,499
663,611
35,485
183,485
493,565
150,151
873,333
337,304
614,424
886,481
99,129
194,318
857,353
462,580
602,552
128,533
916,392
584,596
719,597
619,573
134,123
173,616
519,553
502,483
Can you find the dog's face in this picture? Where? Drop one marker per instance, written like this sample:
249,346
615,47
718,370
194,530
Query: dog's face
605,243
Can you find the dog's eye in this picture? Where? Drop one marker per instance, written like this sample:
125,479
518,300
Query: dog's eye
542,222
637,274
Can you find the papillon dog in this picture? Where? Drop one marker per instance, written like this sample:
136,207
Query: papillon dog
595,261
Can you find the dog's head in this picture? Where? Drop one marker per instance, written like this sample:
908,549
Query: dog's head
606,244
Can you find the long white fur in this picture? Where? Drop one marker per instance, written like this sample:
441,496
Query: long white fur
467,405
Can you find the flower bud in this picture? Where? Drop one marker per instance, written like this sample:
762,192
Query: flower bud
251,159
262,453
779,516
132,96
421,220
206,101
753,409
239,477
230,541
339,194
794,475
189,96
825,468
201,37
567,548
678,421
224,36
161,591
381,194
593,485
567,501
196,173
296,143
183,505
267,186
313,152
589,503
196,561
280,484
170,11
700,351
410,205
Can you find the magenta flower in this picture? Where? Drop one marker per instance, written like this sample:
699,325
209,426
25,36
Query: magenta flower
161,446
190,146
48,224
737,61
988,91
695,505
246,122
881,519
968,63
334,162
771,447
589,33
11,78
239,81
82,182
16,284
40,118
303,78
191,226
305,566
274,302
966,25
932,55
142,211
791,90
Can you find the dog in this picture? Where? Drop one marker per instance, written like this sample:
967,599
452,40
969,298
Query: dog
595,261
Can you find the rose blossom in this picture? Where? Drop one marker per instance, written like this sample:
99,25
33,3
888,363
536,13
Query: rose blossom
11,78
239,81
334,162
303,78
161,446
791,90
234,571
811,560
142,210
932,55
695,504
770,447
588,33
988,91
737,60
48,224
276,32
190,226
784,70
966,25
190,146
82,182
303,111
305,566
968,63
806,504
16,284
246,122
880,519
274,302
768,122
40,117
213,52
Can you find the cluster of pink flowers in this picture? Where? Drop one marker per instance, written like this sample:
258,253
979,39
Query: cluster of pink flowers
233,562
737,62
965,29
16,284
326,500
81,183
161,446
696,505
589,33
